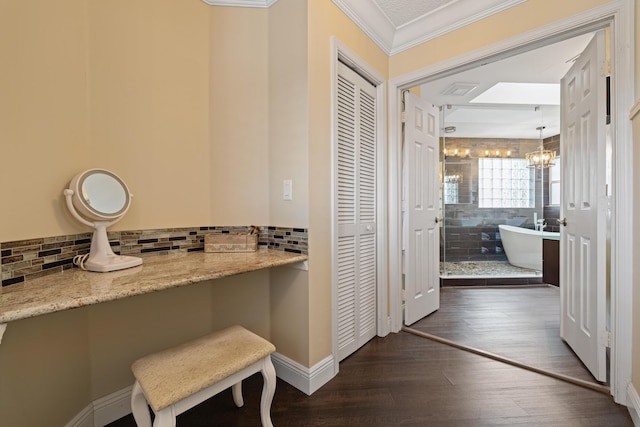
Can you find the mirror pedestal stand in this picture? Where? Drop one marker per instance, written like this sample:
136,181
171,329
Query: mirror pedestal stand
101,258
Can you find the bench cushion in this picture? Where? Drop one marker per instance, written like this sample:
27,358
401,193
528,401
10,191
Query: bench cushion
178,372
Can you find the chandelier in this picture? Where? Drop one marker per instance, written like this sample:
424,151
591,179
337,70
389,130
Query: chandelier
541,158
453,179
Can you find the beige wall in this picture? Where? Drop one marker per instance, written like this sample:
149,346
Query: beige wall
118,85
43,113
148,68
289,159
239,117
288,113
44,366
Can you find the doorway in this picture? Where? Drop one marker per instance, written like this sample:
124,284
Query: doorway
621,209
493,167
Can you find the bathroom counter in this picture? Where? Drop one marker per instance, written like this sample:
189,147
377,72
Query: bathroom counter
551,261
75,288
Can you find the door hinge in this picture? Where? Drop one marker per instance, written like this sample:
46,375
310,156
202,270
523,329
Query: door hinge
605,339
403,117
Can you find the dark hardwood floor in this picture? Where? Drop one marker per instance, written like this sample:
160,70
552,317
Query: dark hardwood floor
406,380
520,323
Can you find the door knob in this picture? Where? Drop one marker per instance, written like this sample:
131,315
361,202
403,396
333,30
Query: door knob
562,221
439,219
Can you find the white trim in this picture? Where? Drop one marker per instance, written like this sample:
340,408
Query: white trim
114,406
241,3
633,404
84,418
395,208
307,380
395,39
104,410
619,14
559,30
456,16
623,92
341,52
370,19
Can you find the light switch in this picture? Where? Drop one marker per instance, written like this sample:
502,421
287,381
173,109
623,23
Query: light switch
287,189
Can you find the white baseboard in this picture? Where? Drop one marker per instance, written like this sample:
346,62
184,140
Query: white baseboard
116,405
633,404
83,419
105,410
307,380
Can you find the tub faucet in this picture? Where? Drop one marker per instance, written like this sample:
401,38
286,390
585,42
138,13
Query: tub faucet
541,224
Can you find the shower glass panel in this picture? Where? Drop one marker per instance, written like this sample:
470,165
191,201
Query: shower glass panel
486,182
444,196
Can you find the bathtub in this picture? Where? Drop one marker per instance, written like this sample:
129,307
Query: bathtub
523,246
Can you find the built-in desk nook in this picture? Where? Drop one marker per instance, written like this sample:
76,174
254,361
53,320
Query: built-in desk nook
77,288
69,338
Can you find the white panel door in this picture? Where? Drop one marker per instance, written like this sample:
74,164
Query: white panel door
584,207
422,207
355,202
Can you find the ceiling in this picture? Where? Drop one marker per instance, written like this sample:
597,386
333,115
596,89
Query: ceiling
483,120
397,25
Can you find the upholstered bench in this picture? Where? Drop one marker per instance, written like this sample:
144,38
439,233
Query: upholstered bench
176,379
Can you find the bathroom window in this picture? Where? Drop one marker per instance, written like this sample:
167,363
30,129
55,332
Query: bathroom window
505,183
451,190
554,183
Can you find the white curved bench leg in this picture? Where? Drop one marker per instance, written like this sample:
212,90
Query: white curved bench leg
139,407
268,390
236,390
165,418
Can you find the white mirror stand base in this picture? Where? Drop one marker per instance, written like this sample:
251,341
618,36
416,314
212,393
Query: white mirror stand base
102,258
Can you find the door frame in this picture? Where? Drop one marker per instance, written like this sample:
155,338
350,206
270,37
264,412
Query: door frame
619,17
340,51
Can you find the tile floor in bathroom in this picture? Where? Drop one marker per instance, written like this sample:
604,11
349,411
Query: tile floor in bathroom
485,269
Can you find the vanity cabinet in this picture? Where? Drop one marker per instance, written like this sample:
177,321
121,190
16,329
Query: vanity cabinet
551,261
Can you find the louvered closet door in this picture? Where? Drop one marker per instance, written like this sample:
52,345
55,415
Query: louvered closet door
355,204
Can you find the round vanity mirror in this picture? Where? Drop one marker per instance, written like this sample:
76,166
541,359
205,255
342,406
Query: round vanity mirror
101,196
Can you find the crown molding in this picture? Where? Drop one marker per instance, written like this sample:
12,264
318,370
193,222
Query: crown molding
375,24
392,40
241,3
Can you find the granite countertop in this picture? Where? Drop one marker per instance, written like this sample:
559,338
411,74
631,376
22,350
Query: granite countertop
77,288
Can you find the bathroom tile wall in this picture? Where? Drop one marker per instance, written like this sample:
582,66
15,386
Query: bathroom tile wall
471,233
464,243
28,259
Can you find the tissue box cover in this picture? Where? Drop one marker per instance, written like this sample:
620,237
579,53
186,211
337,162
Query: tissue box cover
230,242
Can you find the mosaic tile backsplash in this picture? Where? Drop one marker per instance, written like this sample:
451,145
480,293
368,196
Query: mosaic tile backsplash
27,259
